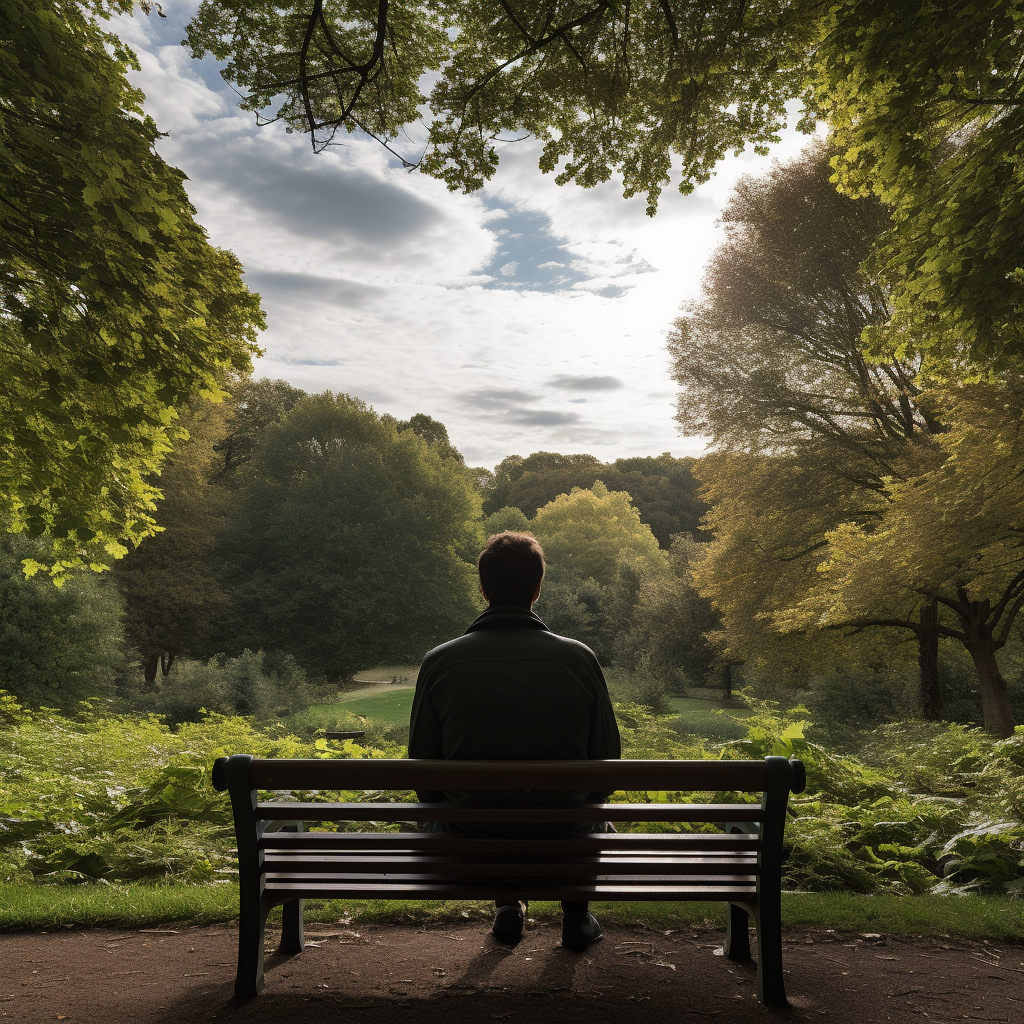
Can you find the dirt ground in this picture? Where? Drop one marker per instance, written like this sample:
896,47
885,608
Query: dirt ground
408,974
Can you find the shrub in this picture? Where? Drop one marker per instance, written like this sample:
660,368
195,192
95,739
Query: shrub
251,684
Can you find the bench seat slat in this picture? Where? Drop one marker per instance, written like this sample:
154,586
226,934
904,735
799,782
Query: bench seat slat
296,811
495,869
284,890
401,842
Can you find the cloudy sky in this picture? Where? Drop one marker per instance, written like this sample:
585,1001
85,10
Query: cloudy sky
526,317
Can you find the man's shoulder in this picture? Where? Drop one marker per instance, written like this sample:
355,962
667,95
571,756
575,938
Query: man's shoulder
499,643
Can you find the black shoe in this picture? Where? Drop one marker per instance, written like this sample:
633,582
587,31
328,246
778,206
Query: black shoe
508,922
580,932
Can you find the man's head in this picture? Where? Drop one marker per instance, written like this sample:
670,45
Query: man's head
511,567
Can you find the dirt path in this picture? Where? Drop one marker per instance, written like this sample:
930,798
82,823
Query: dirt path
408,974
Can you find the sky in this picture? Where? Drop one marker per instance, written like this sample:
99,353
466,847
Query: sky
525,317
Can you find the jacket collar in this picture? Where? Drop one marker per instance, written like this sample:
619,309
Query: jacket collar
507,616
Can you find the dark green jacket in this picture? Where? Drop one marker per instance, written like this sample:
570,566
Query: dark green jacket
509,688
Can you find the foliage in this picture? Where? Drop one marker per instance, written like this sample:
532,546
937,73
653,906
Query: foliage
253,684
586,532
953,531
662,488
114,307
506,518
769,359
924,807
252,406
118,797
57,645
924,105
596,549
350,541
175,605
669,623
435,433
608,87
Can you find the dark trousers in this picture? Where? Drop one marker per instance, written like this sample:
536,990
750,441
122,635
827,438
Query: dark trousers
570,908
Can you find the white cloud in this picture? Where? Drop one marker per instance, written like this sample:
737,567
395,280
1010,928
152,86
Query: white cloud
495,313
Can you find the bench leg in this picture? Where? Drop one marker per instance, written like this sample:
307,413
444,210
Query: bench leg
737,934
771,987
292,937
252,920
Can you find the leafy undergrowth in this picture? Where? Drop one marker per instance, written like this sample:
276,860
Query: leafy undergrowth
115,798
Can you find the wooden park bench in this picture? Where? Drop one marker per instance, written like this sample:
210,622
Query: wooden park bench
281,863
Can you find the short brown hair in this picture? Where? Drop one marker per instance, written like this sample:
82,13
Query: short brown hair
511,567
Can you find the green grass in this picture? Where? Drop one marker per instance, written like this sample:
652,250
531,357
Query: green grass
690,705
25,906
390,706
29,907
385,673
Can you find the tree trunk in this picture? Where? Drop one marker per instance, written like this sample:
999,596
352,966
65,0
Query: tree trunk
995,703
166,661
727,681
928,662
150,664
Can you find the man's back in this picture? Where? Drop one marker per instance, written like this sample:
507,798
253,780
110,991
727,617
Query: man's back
509,688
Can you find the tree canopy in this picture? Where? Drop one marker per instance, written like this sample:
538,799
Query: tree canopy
953,531
922,97
806,430
350,540
662,487
114,307
175,604
608,87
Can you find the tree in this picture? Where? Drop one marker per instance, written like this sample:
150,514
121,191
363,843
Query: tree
58,646
350,540
529,483
607,86
953,532
114,307
175,603
662,487
671,624
587,537
254,405
586,532
923,99
770,365
435,433
506,518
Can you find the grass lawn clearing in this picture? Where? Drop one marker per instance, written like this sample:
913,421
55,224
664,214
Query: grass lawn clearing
31,907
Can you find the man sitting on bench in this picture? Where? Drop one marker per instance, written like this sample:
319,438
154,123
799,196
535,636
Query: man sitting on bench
510,689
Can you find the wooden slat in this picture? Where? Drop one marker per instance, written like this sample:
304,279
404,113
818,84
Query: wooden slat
602,776
712,813
400,842
282,890
342,864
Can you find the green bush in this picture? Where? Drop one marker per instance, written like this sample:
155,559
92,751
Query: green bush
57,645
121,798
252,684
117,797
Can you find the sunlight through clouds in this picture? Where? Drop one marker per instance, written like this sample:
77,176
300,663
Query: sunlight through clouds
525,317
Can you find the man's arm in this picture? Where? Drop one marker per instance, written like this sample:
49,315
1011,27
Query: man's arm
604,743
425,737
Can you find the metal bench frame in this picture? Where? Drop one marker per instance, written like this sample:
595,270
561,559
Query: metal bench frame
279,863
